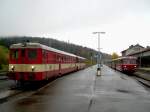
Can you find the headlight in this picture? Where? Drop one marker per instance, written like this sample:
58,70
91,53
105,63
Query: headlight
33,67
135,66
125,66
12,68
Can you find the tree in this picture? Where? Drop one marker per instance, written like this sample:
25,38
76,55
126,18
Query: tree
3,56
114,55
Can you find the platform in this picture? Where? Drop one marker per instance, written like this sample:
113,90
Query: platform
84,91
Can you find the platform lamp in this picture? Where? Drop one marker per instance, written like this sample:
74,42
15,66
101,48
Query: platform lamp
99,56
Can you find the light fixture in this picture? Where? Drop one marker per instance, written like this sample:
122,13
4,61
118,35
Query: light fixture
12,68
33,67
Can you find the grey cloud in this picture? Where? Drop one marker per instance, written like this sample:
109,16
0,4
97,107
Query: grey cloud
31,16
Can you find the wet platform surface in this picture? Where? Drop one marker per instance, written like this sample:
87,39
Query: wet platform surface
83,91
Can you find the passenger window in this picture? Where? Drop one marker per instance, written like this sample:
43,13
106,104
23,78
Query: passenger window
32,54
23,52
15,54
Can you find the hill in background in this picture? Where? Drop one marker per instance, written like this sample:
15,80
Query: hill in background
85,52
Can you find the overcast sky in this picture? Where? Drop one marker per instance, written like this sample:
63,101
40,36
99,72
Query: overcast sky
125,22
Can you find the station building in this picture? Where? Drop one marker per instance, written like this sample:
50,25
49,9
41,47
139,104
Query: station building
142,54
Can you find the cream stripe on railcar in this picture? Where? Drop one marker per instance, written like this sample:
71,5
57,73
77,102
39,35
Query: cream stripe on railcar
37,67
40,67
80,65
64,66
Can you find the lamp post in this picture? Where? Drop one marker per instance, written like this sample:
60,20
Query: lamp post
99,56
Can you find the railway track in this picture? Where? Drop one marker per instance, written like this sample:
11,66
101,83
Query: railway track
8,95
15,93
3,75
143,77
3,72
143,81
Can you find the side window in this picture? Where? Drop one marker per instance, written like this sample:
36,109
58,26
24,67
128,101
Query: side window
15,54
43,53
32,54
23,53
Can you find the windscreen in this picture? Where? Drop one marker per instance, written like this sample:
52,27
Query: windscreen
129,61
15,54
32,54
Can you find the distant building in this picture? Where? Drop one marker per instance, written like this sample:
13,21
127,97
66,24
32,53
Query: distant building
143,57
142,54
132,49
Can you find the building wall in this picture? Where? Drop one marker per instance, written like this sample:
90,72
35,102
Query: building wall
132,49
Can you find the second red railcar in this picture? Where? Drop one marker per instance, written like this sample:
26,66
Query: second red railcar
124,64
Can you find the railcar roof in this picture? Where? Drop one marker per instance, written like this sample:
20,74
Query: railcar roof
38,45
128,57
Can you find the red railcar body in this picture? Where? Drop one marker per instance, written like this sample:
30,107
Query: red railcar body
124,64
37,62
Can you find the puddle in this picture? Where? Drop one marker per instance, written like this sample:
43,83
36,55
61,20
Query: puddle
27,101
123,91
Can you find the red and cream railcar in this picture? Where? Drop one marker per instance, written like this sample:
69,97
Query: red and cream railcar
37,62
125,64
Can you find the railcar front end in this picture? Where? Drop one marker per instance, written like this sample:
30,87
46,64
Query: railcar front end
125,64
25,64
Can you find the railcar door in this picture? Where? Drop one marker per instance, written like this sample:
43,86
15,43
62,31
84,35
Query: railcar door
59,63
45,56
